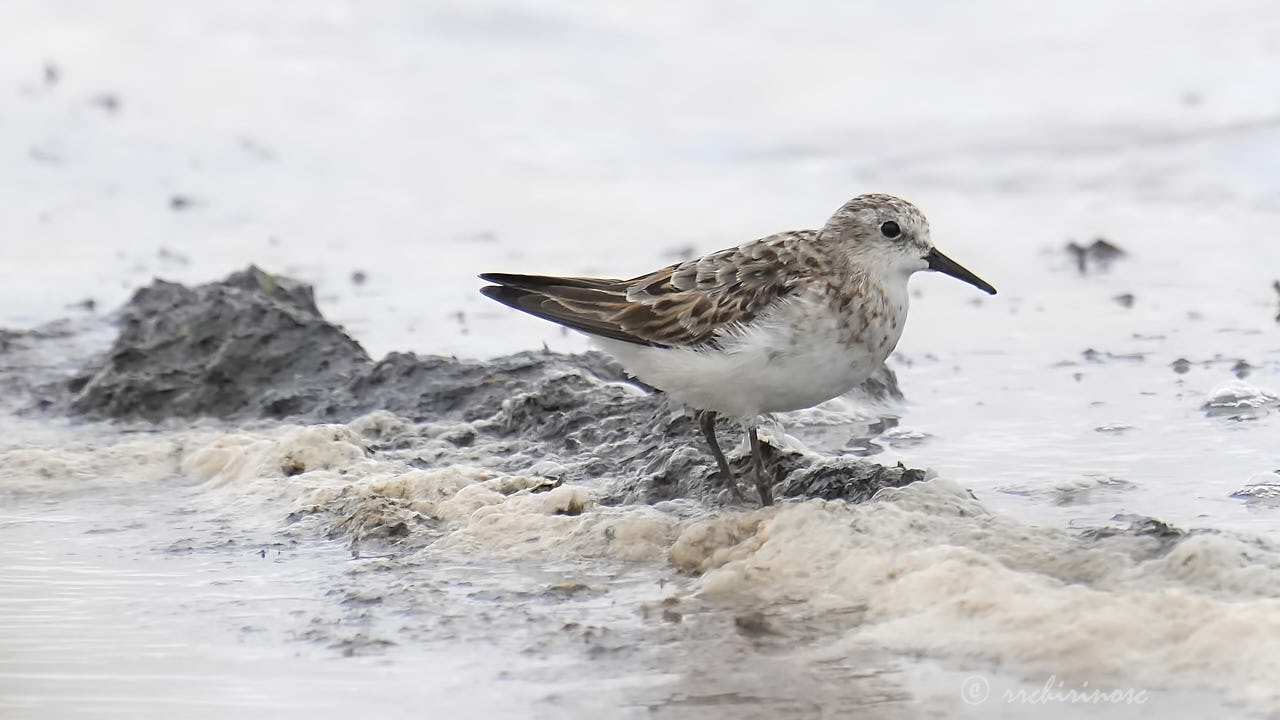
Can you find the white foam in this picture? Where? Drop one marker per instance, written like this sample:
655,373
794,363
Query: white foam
921,569
933,572
324,471
55,456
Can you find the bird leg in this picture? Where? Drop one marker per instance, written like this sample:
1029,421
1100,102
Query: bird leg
707,421
762,486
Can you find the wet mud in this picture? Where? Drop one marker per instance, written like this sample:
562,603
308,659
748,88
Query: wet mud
254,346
546,507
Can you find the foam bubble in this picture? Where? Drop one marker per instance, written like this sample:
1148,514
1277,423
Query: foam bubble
925,568
88,456
933,572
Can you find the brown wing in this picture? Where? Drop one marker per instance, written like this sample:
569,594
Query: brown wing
685,304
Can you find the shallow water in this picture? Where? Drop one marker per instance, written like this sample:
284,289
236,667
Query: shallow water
256,590
111,620
422,144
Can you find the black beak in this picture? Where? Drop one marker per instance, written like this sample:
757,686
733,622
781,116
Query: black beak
945,265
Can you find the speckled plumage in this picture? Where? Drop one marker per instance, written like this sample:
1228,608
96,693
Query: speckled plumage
775,324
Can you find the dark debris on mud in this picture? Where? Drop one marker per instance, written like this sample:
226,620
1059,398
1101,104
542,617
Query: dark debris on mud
255,346
1096,256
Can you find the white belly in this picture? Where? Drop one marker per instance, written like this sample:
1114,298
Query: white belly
796,357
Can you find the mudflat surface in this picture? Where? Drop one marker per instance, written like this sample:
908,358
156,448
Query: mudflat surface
377,526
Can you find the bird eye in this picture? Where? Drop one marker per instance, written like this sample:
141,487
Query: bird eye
890,230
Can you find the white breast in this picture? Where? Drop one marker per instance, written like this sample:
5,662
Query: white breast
795,356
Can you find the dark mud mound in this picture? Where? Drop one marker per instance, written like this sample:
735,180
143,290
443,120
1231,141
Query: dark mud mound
437,387
255,346
592,429
251,345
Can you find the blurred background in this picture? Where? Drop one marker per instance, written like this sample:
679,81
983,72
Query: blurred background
388,151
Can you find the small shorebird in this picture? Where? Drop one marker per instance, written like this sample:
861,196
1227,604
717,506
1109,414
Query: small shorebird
776,324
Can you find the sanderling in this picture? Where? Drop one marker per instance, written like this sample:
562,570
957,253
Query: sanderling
776,324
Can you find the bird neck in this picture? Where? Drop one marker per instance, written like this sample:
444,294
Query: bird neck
879,293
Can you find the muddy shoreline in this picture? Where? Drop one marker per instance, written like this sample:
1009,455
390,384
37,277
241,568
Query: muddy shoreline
254,346
543,504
